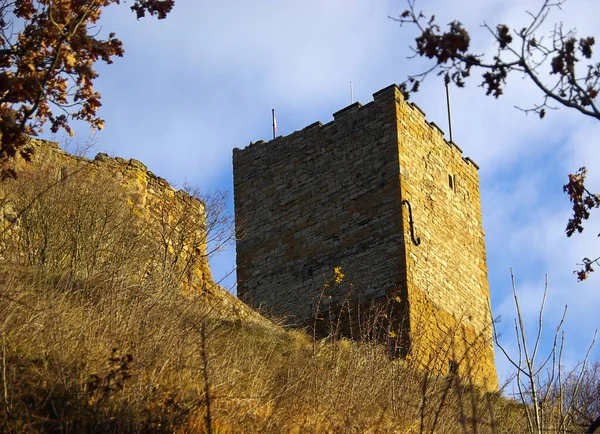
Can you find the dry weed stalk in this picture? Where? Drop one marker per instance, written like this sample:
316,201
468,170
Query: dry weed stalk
541,387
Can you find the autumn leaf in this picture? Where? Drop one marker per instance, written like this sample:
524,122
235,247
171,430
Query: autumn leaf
70,60
47,75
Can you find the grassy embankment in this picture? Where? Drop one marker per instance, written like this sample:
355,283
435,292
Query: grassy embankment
91,341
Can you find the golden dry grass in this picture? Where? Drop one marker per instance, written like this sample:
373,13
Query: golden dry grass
102,357
93,343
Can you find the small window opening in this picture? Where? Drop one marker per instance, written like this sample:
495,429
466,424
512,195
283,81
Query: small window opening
452,182
307,273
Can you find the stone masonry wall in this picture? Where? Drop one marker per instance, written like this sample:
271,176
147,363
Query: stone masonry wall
337,195
319,198
446,273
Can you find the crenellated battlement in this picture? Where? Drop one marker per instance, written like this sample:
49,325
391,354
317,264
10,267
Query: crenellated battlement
390,93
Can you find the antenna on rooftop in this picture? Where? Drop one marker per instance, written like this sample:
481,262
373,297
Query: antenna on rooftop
449,112
351,93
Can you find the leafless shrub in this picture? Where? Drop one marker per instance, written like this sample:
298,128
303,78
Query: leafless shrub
584,401
62,223
548,395
192,227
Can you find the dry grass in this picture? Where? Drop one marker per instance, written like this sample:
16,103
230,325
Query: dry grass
103,357
96,345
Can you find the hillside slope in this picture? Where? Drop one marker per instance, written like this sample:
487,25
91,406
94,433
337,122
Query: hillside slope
111,322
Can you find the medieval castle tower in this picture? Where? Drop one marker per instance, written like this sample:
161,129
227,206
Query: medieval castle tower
381,194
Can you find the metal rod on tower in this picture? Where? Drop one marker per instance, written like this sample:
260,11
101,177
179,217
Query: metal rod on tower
274,122
449,112
351,93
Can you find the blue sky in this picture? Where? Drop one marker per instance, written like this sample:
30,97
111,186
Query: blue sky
203,81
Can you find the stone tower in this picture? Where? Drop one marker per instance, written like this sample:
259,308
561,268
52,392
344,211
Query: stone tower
381,194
